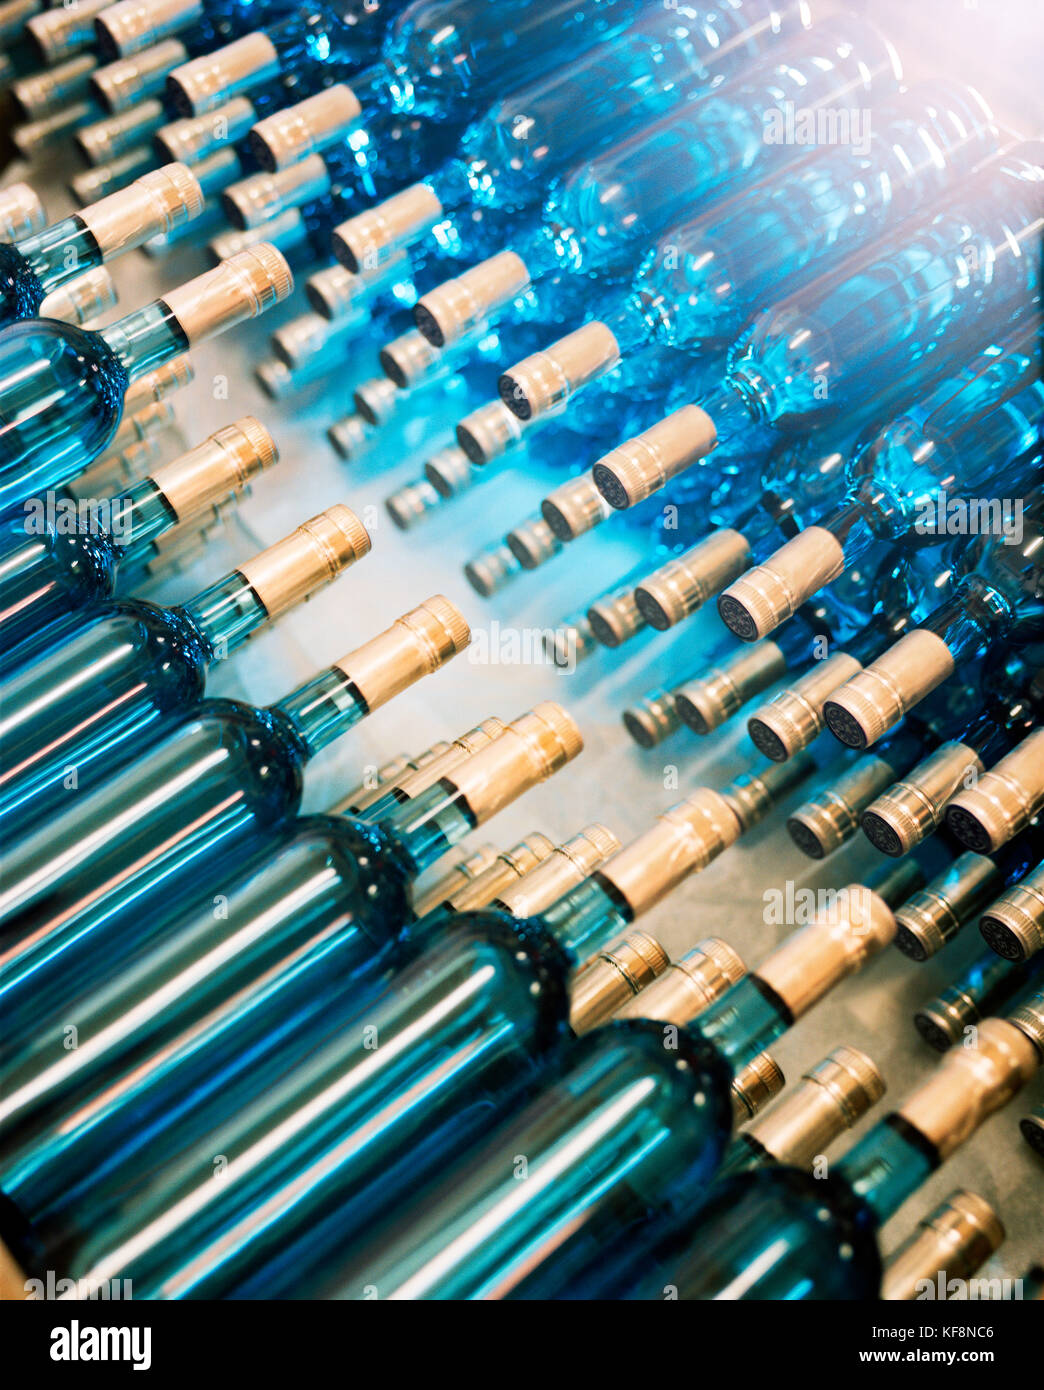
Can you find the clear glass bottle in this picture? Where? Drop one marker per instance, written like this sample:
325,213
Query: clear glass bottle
62,388
108,683
57,567
779,1233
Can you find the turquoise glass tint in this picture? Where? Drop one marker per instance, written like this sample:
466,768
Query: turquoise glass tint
33,268
102,685
888,1165
335,1135
61,393
636,1115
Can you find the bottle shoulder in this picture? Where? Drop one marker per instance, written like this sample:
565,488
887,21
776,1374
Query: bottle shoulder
21,293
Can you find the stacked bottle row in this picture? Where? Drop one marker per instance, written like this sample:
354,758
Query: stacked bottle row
859,324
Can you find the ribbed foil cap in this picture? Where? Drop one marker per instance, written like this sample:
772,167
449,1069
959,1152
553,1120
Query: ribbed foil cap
756,603
1013,925
367,239
970,1083
830,819
793,719
955,1240
408,359
569,642
376,400
491,569
567,865
152,205
467,866
104,140
158,384
238,289
131,25
830,1098
415,645
41,94
450,471
507,869
911,809
641,466
1003,801
206,82
433,766
836,943
683,840
682,586
574,508
351,436
252,201
875,700
652,719
532,543
302,339
224,463
121,85
288,572
542,383
1032,1127
297,131
934,915
21,212
64,30
753,794
689,985
529,750
615,618
706,704
410,504
489,432
144,423
943,1020
194,137
1028,1018
82,299
754,1086
453,309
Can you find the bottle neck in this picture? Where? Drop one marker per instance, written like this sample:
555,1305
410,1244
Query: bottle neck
323,709
746,1020
225,615
969,619
146,339
59,253
588,917
137,518
428,824
888,1165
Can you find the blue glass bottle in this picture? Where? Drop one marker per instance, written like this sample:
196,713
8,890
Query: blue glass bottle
508,155
997,596
603,216
780,1233
633,1124
51,568
62,388
31,268
983,988
708,276
903,815
481,1008
966,433
101,686
312,920
934,915
305,49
